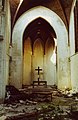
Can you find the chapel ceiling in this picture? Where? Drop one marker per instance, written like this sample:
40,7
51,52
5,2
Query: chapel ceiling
17,9
34,30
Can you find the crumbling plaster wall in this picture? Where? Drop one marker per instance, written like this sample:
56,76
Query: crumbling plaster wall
4,47
8,38
74,72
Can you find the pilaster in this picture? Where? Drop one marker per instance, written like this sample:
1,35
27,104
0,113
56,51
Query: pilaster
2,54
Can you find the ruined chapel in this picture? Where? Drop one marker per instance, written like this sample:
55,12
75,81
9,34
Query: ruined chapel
38,41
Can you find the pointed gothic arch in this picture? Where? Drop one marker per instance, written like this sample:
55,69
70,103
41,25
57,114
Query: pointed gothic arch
62,37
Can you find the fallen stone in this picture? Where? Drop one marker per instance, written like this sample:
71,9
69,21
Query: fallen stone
3,117
14,95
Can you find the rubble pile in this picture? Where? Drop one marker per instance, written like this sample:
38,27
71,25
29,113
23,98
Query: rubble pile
22,105
28,110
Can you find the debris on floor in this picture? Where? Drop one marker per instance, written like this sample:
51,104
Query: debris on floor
24,105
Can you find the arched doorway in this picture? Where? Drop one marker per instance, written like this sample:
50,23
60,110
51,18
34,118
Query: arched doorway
62,40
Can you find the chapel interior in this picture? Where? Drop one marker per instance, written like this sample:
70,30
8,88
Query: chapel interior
39,46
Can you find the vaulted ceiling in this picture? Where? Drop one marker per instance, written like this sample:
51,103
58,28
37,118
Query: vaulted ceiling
20,6
36,28
41,29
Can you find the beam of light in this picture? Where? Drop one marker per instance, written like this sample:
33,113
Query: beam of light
55,40
53,58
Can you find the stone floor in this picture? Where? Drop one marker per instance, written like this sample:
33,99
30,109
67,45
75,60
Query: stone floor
61,107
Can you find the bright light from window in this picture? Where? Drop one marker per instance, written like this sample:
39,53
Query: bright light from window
53,58
55,40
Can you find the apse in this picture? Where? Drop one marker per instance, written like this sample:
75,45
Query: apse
42,45
51,19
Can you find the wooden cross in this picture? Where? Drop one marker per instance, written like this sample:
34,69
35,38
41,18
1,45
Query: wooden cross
38,69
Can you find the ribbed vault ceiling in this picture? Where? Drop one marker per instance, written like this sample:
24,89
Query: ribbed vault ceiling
39,28
27,4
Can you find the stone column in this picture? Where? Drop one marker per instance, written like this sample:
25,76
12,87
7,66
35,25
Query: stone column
2,54
63,65
16,67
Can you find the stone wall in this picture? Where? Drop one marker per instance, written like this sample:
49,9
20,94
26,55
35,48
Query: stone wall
4,51
73,57
2,60
74,72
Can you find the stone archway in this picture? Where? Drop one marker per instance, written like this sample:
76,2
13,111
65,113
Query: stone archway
62,40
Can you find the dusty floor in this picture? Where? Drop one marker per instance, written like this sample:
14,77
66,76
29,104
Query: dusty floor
61,107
